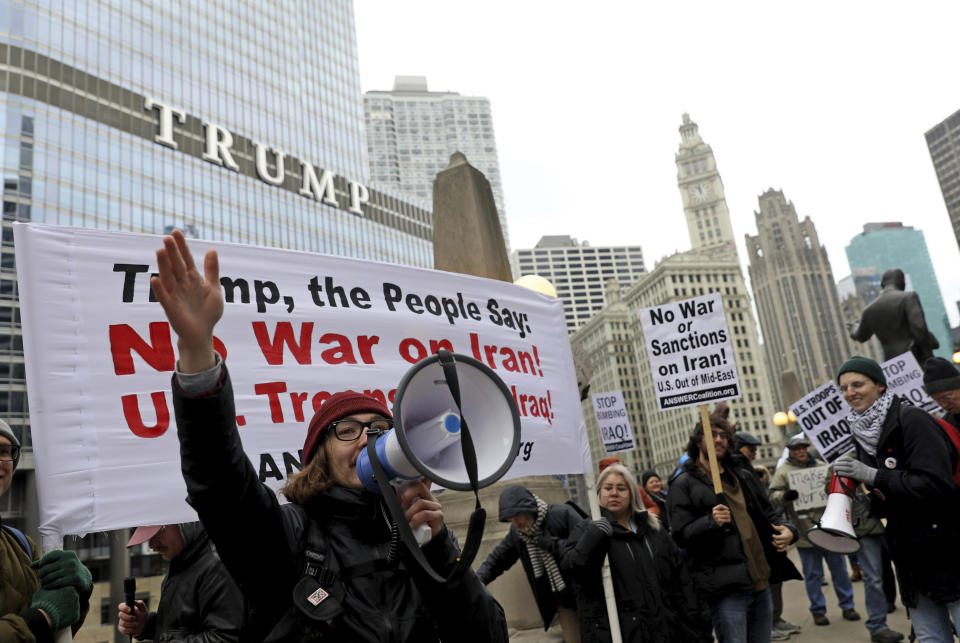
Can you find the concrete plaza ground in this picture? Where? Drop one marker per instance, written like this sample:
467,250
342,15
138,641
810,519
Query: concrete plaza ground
795,610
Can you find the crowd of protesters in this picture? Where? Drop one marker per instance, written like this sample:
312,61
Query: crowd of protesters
686,562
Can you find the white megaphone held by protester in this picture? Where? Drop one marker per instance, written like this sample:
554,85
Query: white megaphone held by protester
455,423
834,532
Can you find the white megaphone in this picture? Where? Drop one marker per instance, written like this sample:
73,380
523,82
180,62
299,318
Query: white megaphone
425,441
834,532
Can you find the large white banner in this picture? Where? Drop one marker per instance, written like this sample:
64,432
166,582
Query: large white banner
690,352
297,327
613,421
822,413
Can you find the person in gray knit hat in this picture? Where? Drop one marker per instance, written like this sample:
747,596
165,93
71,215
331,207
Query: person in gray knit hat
941,381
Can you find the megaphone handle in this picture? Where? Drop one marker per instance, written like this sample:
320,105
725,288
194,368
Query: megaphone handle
423,534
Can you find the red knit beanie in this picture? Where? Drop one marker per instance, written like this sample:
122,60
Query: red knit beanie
337,407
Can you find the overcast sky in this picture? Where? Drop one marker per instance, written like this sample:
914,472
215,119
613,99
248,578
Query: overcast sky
827,101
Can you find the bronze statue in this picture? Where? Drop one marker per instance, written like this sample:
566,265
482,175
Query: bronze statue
896,317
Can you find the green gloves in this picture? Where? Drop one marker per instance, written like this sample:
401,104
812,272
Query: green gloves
61,605
60,569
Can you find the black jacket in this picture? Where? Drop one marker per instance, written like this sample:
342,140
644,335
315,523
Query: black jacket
717,561
656,602
199,602
920,501
560,521
261,543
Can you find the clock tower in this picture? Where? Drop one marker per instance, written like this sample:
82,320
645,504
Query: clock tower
701,190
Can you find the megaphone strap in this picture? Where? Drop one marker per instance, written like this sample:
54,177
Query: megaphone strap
474,533
449,367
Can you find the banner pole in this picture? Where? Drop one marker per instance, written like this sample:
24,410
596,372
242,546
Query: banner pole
711,451
591,481
52,544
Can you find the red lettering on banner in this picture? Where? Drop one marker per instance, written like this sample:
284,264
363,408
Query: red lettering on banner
158,353
534,405
412,350
297,399
513,361
342,350
272,390
272,349
131,413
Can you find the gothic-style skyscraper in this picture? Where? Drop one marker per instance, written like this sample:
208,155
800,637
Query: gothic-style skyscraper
797,300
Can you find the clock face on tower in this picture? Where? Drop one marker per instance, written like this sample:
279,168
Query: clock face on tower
700,192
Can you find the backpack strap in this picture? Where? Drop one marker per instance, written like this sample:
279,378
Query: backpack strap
22,539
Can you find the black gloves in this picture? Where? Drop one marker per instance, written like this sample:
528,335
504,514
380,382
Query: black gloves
790,495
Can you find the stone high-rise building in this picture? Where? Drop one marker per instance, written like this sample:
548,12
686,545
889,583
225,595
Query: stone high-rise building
800,314
711,266
412,132
943,141
579,272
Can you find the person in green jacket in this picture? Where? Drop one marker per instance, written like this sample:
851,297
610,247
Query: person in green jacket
38,596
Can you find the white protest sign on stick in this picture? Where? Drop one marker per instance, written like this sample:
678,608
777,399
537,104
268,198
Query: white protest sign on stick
613,421
691,359
822,413
296,328
690,351
810,484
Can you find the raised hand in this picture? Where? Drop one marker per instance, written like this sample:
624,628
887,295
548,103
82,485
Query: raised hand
192,302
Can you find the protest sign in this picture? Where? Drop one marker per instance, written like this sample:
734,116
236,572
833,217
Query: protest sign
690,352
810,484
905,378
296,328
822,413
613,421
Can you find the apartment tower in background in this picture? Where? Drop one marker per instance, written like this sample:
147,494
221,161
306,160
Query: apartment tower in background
579,272
943,141
412,132
882,246
800,314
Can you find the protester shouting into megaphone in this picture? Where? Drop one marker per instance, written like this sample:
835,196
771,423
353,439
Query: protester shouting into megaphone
326,566
908,461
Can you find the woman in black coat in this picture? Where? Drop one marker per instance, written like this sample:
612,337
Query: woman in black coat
538,538
326,566
654,597
909,462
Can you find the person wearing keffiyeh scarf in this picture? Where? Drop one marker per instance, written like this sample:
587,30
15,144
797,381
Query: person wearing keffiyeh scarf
538,538
907,462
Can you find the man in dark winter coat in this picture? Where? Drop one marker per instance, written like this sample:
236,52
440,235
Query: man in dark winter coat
538,537
198,600
941,380
735,547
908,461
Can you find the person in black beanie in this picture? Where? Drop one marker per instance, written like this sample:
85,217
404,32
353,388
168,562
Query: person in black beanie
941,381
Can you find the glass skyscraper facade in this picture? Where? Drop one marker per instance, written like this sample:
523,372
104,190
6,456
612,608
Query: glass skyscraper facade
239,121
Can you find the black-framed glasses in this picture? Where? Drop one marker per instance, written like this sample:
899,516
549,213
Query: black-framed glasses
350,430
9,452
